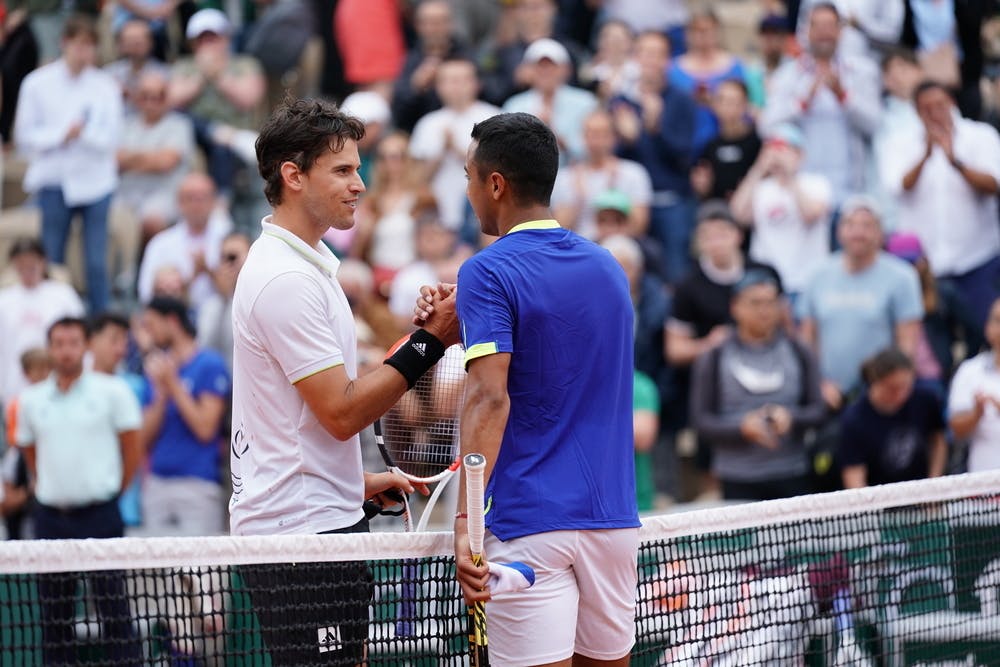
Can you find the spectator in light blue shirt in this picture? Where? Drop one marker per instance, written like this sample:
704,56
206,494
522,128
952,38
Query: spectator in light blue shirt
860,301
79,434
560,106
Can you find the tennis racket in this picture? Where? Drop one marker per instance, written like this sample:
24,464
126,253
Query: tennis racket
418,439
475,466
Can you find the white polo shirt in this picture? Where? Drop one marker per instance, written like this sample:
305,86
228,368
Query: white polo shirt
979,375
957,226
290,320
76,437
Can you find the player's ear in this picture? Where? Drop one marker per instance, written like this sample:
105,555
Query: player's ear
291,176
498,185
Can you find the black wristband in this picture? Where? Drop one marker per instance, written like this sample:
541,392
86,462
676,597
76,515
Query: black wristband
416,356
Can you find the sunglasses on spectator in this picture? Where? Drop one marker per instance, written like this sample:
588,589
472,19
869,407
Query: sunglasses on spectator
157,96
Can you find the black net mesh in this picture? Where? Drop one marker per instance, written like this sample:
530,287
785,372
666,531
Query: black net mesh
912,585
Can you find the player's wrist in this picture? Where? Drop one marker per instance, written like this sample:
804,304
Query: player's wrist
416,356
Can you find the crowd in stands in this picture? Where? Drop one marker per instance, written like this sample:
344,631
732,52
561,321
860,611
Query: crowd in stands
803,195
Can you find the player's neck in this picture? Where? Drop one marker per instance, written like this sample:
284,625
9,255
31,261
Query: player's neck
523,214
295,221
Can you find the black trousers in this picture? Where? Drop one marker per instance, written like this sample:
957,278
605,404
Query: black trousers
313,613
57,592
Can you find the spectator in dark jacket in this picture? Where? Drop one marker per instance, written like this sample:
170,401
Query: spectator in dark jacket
414,94
655,127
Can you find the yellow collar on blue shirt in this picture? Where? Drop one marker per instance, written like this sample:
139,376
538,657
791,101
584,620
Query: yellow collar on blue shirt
534,224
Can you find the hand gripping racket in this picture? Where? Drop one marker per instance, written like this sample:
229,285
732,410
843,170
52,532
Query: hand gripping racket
418,439
475,466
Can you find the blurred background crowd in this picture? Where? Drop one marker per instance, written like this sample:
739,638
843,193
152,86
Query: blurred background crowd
803,196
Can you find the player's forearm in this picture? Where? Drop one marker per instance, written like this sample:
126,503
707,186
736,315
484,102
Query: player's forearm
638,221
199,416
152,422
484,419
938,458
913,175
908,336
362,402
245,92
184,90
131,453
155,162
682,349
982,182
854,477
963,424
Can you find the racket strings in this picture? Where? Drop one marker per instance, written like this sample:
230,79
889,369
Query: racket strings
421,431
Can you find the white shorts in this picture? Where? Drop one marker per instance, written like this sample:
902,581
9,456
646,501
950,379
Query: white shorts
583,600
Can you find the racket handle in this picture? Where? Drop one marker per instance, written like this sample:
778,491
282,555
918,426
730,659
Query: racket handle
475,470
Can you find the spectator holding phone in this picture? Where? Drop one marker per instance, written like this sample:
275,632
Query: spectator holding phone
753,396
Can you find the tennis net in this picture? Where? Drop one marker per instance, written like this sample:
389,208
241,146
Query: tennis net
905,574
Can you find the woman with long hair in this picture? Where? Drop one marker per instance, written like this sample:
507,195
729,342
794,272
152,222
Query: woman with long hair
385,224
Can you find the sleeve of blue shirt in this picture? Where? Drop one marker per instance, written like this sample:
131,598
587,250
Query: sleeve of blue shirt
907,304
805,305
484,311
144,392
126,410
212,378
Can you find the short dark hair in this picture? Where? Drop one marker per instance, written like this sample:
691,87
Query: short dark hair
738,83
756,278
829,6
78,322
931,84
300,131
24,246
107,319
521,148
169,306
80,25
899,53
884,363
715,209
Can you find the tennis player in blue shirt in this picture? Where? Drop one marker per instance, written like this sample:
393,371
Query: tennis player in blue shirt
547,325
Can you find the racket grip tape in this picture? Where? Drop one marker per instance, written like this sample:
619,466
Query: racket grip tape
475,470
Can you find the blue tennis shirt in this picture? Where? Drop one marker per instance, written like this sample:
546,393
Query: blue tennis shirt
560,305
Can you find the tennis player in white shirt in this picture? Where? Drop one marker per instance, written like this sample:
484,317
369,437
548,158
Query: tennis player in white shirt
298,403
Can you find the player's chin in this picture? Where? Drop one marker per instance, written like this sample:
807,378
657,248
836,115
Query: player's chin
343,222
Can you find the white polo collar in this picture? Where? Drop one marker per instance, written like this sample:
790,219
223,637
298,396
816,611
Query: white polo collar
320,256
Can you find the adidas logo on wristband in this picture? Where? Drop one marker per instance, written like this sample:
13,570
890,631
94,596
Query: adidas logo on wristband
421,348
